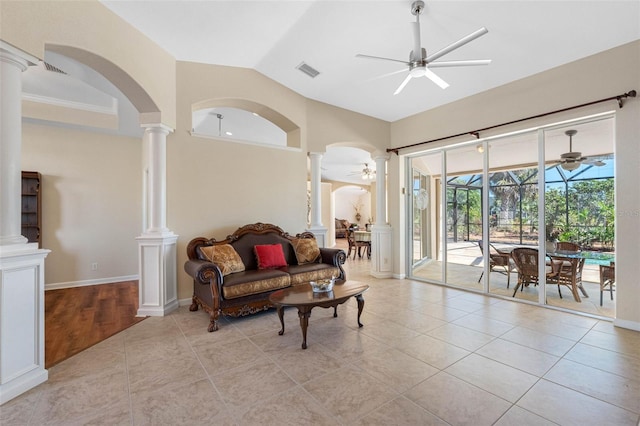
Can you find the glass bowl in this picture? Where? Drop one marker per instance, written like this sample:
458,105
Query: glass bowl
322,286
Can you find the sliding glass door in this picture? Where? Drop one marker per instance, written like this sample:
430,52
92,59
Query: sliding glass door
477,208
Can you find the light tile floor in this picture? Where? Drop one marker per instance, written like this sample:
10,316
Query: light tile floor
427,355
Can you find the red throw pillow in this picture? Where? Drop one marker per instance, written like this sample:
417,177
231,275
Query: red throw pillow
270,256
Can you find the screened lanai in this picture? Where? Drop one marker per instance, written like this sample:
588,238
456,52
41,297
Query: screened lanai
454,230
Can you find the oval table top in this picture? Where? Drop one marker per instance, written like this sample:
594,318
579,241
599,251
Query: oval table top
301,295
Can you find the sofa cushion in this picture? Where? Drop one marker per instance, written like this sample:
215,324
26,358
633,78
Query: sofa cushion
245,244
270,256
254,282
301,274
306,250
225,257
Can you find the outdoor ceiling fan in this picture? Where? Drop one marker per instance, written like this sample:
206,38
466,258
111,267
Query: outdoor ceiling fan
419,63
573,159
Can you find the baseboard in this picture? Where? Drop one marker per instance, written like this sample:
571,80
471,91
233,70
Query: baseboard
98,281
631,325
185,302
399,276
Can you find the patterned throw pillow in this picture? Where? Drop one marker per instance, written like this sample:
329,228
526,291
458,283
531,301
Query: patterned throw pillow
270,256
225,256
306,249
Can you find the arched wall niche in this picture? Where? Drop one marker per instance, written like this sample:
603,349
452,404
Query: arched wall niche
293,134
149,113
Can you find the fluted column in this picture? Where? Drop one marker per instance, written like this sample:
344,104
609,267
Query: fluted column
11,68
316,199
157,255
381,232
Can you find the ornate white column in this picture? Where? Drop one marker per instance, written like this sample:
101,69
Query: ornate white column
316,200
381,232
21,263
157,257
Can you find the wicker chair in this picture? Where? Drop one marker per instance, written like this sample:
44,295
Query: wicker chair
567,246
498,259
607,279
526,260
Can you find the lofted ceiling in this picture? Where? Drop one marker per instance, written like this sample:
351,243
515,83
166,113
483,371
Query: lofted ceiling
274,37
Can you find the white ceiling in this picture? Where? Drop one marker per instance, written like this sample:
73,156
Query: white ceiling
273,37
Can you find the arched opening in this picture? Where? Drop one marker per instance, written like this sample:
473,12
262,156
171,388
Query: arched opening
246,121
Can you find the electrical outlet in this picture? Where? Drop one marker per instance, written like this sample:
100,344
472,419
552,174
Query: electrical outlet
94,266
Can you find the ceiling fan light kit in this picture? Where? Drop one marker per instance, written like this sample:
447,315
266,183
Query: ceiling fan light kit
419,63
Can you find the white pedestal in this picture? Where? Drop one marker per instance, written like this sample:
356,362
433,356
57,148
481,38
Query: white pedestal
381,253
21,319
320,233
158,292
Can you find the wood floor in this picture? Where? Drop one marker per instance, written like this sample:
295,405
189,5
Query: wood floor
79,317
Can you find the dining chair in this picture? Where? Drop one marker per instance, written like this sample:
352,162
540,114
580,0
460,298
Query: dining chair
357,245
526,261
607,279
498,259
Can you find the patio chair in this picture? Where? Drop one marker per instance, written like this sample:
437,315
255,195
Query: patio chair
607,279
526,260
570,276
567,246
498,259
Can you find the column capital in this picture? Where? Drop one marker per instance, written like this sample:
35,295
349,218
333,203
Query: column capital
13,55
380,155
315,154
157,128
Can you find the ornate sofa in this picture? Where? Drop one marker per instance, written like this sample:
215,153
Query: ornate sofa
236,275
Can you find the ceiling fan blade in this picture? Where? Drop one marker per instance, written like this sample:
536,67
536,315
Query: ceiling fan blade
404,83
433,77
359,55
416,54
386,75
474,35
467,63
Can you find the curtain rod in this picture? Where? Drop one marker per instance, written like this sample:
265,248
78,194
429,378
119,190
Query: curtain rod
476,133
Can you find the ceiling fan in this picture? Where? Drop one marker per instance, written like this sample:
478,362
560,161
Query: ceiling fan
419,63
573,159
366,173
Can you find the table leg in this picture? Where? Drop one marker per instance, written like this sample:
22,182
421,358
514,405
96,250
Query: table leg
304,323
360,300
280,310
335,311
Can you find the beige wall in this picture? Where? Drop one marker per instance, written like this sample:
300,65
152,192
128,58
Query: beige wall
215,186
327,125
91,202
597,77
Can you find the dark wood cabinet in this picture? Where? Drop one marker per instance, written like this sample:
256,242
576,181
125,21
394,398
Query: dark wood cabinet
32,207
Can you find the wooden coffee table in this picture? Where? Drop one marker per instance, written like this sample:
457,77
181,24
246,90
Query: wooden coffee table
303,298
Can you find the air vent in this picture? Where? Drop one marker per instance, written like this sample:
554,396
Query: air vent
308,70
50,67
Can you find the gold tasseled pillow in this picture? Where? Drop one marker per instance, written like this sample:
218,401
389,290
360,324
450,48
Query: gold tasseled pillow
225,256
306,249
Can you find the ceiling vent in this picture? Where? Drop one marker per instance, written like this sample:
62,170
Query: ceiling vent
50,67
308,70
